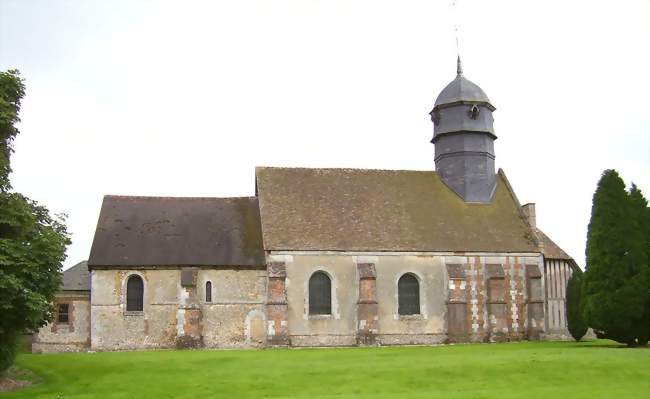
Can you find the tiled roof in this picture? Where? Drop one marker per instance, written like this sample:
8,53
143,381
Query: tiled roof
157,231
76,278
384,210
550,249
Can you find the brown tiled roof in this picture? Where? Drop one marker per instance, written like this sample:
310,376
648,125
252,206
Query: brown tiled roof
76,278
384,210
157,231
550,249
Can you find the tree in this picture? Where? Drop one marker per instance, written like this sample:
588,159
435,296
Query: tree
641,213
12,91
576,324
615,284
32,242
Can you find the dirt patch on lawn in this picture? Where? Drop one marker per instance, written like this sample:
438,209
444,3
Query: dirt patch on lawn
17,378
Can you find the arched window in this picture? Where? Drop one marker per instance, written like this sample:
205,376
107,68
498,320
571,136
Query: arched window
408,292
134,293
208,291
320,294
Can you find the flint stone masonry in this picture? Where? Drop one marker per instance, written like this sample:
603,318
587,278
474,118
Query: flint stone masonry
66,337
233,318
173,315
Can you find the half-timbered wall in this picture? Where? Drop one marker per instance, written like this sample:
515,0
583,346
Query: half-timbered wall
556,276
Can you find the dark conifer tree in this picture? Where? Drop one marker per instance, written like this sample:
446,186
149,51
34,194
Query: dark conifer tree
576,324
615,285
642,215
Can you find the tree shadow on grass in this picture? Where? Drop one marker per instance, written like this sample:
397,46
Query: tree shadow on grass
603,343
18,378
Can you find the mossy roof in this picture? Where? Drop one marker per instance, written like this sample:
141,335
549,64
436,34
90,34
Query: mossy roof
384,210
178,231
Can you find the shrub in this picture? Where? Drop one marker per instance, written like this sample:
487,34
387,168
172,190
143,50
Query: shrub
576,324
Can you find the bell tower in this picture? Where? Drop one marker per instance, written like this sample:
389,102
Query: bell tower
463,137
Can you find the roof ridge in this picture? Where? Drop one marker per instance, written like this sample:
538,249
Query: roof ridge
175,197
511,191
344,169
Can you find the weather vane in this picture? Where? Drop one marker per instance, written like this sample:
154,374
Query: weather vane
459,67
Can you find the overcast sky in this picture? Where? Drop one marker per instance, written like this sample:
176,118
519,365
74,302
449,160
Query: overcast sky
185,98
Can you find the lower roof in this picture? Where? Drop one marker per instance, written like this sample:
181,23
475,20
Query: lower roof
550,249
76,278
177,231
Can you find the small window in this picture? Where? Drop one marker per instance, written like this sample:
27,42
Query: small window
320,294
408,293
208,291
63,315
134,294
474,112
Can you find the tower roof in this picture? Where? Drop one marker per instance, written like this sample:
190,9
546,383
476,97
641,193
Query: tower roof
461,89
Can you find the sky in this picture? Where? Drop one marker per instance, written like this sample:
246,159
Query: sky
185,98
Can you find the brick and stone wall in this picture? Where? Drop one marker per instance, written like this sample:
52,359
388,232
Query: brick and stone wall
462,299
66,337
489,298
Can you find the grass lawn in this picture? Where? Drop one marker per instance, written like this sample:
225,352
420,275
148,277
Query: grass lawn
559,370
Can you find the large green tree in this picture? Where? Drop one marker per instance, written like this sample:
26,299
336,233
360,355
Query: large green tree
32,242
615,287
576,323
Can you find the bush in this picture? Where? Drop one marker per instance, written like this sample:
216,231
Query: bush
576,324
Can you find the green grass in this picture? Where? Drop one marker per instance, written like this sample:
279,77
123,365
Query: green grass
532,370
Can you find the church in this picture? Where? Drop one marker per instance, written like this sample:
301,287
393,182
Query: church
325,257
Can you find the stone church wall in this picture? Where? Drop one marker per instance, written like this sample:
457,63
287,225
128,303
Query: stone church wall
114,328
337,329
66,337
463,298
233,318
429,326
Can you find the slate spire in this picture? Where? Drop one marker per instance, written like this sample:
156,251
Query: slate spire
463,136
